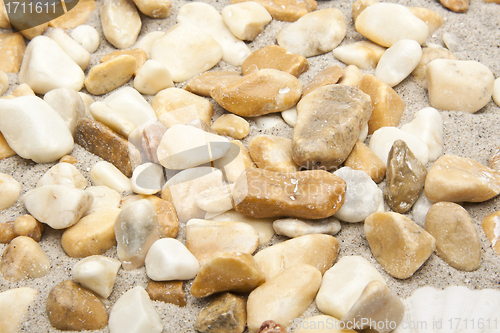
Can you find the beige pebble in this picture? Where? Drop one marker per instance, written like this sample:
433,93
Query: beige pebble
167,291
364,54
352,76
272,153
457,179
92,235
409,248
491,228
97,273
152,77
24,258
362,158
4,82
246,19
7,233
225,313
231,125
494,160
121,23
104,198
12,48
157,9
275,57
204,83
287,10
496,91
290,116
457,240
147,178
110,75
146,42
295,228
215,200
106,174
128,102
101,112
63,174
76,16
87,100
327,76
360,5
87,36
35,31
458,6
27,225
10,190
76,52
68,104
138,54
429,54
234,162
433,20
14,304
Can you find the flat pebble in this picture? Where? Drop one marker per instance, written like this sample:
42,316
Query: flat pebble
458,6
110,75
157,9
491,228
433,20
68,104
428,127
72,48
10,190
24,258
13,47
231,125
147,178
429,54
204,83
63,174
167,291
14,304
299,227
106,174
121,23
287,10
420,209
104,198
87,36
152,77
225,313
246,19
97,273
276,57
364,54
363,159
327,76
272,153
398,61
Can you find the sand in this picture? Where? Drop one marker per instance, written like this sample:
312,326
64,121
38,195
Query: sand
468,135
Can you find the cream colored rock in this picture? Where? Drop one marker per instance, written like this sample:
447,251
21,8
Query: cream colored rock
491,228
152,77
231,125
63,174
14,304
314,33
98,273
246,19
4,82
87,100
429,54
319,251
272,153
496,91
106,174
104,114
208,19
215,200
23,258
295,228
68,104
104,198
360,5
235,162
186,50
387,23
352,77
263,226
364,54
295,287
146,42
87,36
433,20
110,75
147,178
460,85
129,103
10,190
46,66
72,48
121,22
398,61
290,116
157,9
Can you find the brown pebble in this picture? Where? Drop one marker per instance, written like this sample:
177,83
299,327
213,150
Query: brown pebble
224,314
491,227
286,10
363,159
270,326
12,48
330,75
27,225
76,16
7,232
167,291
204,83
458,6
110,75
276,57
138,54
24,258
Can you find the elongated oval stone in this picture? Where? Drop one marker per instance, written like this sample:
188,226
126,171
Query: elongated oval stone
398,61
121,22
299,227
246,20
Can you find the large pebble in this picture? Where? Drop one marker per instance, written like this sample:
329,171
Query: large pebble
235,162
344,283
272,153
204,83
329,123
398,61
14,304
106,174
68,104
362,197
63,174
276,57
246,19
286,10
225,313
157,9
71,47
491,228
10,190
121,22
167,291
429,54
295,228
457,240
104,198
460,85
327,76
97,273
110,75
152,77
87,36
387,23
46,66
363,159
364,54
295,287
24,258
409,248
456,179
134,312
12,47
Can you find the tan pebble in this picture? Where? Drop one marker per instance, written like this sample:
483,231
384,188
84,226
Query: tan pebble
157,9
388,107
429,54
76,16
35,31
270,326
167,291
409,248
457,241
24,258
110,75
225,313
152,77
7,232
272,153
231,125
330,75
286,10
360,5
259,93
457,179
138,54
4,17
73,307
4,82
68,159
10,190
215,200
458,6
12,46
27,225
493,160
491,228
276,57
121,23
433,20
23,90
234,162
204,83
362,158
364,54
246,19
352,76
94,234
317,250
492,1
262,193
235,272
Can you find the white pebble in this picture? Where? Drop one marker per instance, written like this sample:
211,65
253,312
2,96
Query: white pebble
98,273
104,198
129,103
117,122
146,42
246,19
290,116
398,61
268,121
14,304
4,82
452,42
121,22
63,174
364,54
420,209
152,77
295,228
215,200
147,178
76,52
68,104
87,101
10,189
496,91
106,174
87,37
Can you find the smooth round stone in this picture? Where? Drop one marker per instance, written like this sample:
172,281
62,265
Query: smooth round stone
246,19
387,23
231,125
106,174
72,48
152,77
87,36
63,174
14,303
295,228
24,258
157,9
398,61
97,273
362,197
496,91
68,104
10,190
147,178
121,22
429,54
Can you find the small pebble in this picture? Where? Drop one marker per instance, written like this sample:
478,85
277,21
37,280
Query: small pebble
97,273
138,54
272,153
398,61
428,127
63,174
26,225
147,178
87,36
106,174
231,125
363,159
167,291
360,5
268,121
68,104
146,42
433,20
104,198
157,9
215,200
121,23
12,47
420,209
24,258
72,48
10,190
75,16
270,326
327,76
246,19
152,77
491,228
494,160
452,42
204,83
275,57
7,233
429,54
110,75
458,6
364,54
352,77
295,228
235,162
224,314
290,116
14,304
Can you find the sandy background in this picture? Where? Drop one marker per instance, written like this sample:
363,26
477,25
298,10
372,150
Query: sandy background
467,135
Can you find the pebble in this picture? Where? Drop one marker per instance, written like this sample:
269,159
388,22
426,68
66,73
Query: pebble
398,61
58,206
97,273
23,258
494,160
317,250
491,228
136,229
134,312
10,190
378,305
459,85
147,178
387,23
167,291
270,326
106,174
92,235
150,137
87,100
382,140
344,283
410,247
22,90
87,36
429,54
496,91
157,9
405,178
458,6
360,5
12,47
4,82
457,240
206,239
71,307
433,20
5,150
224,314
314,33
275,57
362,197
4,19
327,76
272,153
295,228
296,287
68,104
364,54
104,198
215,200
110,75
186,185
329,123
146,42
121,23
72,48
204,83
259,93
26,225
103,113
352,77
186,50
235,272
457,179
152,77
129,103
290,116
420,209
14,304
231,125
63,174
35,31
388,107
235,162
207,18
428,127
138,54
103,142
7,233
75,16
246,19
314,325
363,159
